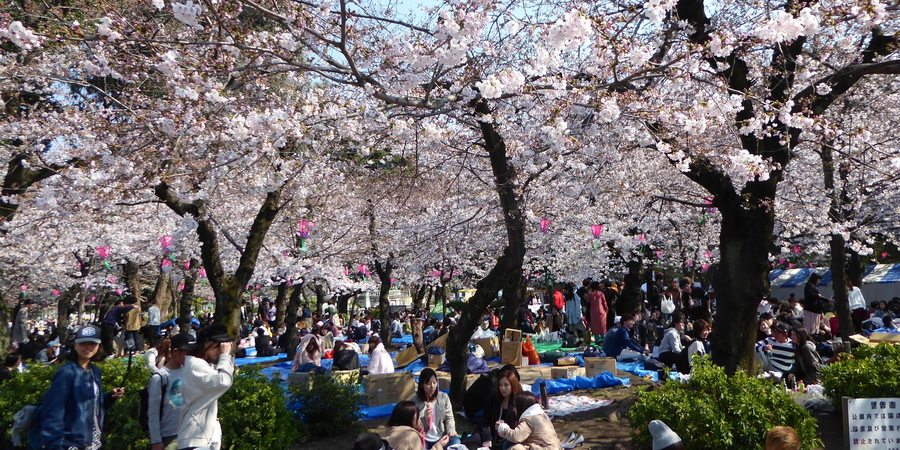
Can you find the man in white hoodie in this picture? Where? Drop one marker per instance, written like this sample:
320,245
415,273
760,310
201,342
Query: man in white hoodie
207,375
166,399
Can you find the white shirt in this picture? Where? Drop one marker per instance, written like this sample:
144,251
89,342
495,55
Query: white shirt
856,299
153,316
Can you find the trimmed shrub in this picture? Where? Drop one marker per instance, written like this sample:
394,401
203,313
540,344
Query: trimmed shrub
254,414
714,411
327,407
872,372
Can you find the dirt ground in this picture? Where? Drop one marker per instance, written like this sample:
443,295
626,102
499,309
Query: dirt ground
602,428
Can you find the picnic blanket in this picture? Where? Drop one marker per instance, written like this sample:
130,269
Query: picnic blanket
570,403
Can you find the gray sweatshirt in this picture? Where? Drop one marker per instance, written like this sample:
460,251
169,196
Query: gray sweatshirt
171,404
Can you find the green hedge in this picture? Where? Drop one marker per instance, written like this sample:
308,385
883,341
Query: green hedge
253,412
328,407
714,411
872,372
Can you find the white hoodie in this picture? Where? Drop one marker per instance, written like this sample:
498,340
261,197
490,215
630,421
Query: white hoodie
380,361
202,385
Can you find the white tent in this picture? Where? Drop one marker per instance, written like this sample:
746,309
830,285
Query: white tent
880,282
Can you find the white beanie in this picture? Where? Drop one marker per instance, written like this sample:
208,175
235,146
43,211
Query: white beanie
663,436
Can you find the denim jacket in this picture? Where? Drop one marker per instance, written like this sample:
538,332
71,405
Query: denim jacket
64,417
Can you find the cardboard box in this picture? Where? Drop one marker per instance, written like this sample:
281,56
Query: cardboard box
562,372
443,384
488,345
435,360
511,353
512,335
388,388
891,338
595,366
346,376
304,379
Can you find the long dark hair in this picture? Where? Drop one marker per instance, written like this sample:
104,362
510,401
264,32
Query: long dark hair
199,351
802,336
314,343
424,376
513,377
404,414
522,401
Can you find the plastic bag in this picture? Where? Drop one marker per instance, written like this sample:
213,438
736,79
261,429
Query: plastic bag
814,400
667,306
530,351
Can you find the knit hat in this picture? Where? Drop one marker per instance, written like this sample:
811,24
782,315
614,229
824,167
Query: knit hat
663,436
87,333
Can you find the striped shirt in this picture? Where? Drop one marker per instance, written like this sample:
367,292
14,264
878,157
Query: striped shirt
782,355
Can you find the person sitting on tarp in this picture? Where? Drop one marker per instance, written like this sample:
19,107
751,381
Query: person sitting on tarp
345,358
379,359
309,353
621,346
263,343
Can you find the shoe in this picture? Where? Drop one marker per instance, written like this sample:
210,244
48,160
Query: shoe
570,445
570,438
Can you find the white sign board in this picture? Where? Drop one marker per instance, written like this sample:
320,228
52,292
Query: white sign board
872,423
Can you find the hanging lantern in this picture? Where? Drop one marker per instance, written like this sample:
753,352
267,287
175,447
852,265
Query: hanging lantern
166,265
597,231
659,254
56,292
119,292
180,287
187,265
104,253
796,251
689,263
705,267
303,231
24,288
545,225
202,272
166,242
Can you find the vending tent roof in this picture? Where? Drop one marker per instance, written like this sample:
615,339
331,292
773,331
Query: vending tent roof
880,282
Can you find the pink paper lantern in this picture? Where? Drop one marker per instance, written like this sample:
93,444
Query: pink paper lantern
119,291
202,273
790,265
707,254
166,242
56,292
103,252
597,231
689,263
884,255
705,267
187,265
780,260
545,225
24,287
180,287
659,254
304,228
113,279
640,238
796,249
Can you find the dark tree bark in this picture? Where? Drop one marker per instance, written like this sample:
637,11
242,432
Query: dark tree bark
7,314
228,288
747,216
384,277
418,340
162,292
507,272
132,274
187,298
63,303
281,305
836,212
17,180
319,289
290,325
632,299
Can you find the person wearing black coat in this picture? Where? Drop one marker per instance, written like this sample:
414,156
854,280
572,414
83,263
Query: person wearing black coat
345,358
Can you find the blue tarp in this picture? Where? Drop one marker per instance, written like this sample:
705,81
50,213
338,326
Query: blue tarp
254,360
602,380
403,339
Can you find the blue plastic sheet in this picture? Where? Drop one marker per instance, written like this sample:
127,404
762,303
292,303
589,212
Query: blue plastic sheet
254,360
403,339
637,368
559,385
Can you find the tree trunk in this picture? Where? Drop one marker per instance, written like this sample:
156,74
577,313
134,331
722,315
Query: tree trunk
384,304
132,274
6,316
281,305
187,298
741,282
513,298
631,300
81,299
418,340
508,269
162,292
291,320
838,245
228,288
62,310
320,296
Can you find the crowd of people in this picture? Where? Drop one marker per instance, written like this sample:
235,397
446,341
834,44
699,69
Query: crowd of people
673,322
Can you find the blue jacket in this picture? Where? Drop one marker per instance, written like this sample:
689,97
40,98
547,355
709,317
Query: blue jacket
621,339
64,417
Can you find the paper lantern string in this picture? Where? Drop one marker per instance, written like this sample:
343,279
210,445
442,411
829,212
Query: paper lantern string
104,253
24,290
303,232
545,225
796,250
641,241
597,231
708,212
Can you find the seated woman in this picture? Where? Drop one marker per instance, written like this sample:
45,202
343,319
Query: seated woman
309,354
499,407
534,430
404,429
379,359
435,410
699,345
809,363
345,358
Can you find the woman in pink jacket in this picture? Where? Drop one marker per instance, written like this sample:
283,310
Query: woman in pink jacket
598,311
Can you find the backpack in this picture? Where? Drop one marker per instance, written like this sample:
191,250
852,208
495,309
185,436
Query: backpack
144,408
682,363
22,422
